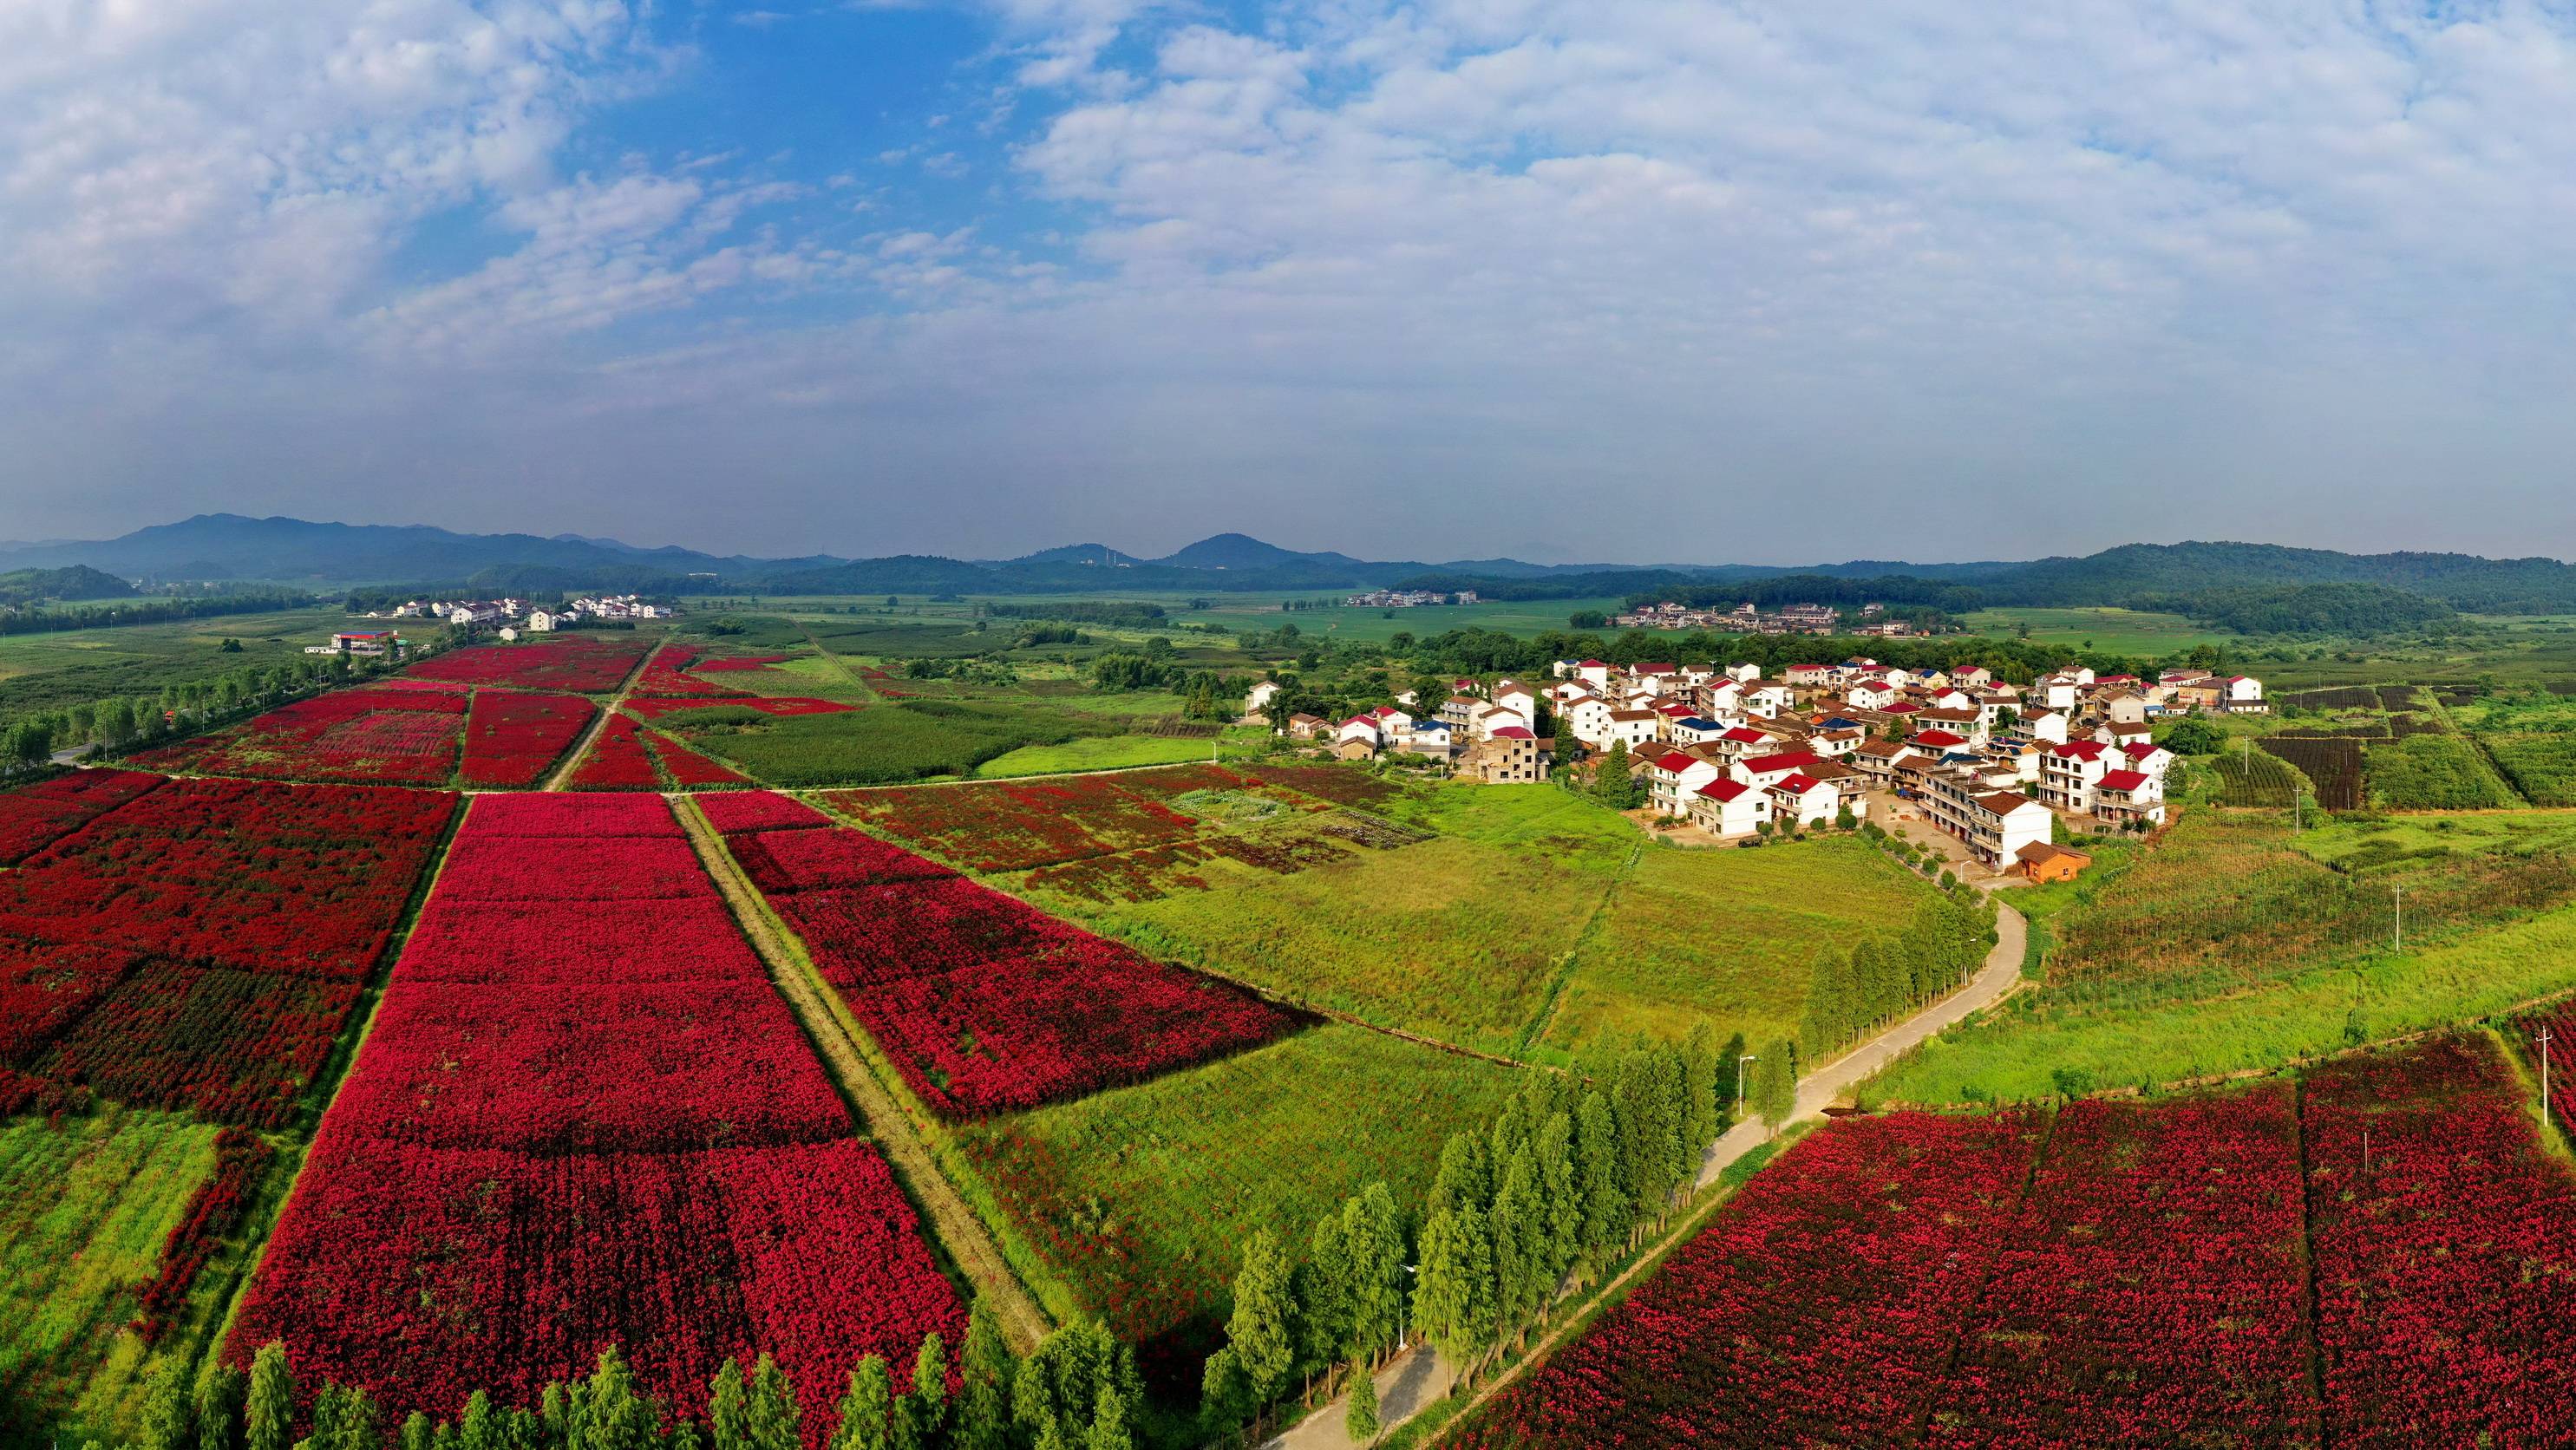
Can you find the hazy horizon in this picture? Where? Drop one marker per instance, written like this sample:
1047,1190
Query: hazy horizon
1463,278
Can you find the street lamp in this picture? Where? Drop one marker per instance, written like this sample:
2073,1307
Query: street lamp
1404,1315
1739,1082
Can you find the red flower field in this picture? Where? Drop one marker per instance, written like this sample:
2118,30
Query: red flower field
513,739
687,768
34,817
583,664
985,1003
1012,827
663,675
241,1157
760,810
617,760
557,1140
357,736
654,709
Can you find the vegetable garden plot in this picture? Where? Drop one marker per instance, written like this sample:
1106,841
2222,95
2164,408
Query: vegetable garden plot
583,664
514,739
542,1151
357,736
988,828
35,816
2153,1291
983,1002
1818,1308
2445,1287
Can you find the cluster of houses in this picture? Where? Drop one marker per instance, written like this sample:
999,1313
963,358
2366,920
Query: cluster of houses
374,643
508,616
1745,619
1407,598
1991,762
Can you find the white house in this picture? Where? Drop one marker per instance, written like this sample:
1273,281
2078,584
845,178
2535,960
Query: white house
1673,777
1636,727
1595,673
1515,696
1255,700
1589,718
1744,674
1801,799
2069,772
2243,694
2047,726
1870,694
1729,808
1766,770
2129,795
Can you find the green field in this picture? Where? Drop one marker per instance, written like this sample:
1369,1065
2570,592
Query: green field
1109,752
2233,945
51,671
1726,936
2112,631
1142,1197
85,1205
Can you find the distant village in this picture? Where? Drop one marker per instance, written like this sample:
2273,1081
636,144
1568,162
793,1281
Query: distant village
1738,755
1746,619
505,618
1408,598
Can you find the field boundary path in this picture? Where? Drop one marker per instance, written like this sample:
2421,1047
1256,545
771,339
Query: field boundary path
963,1234
1413,1382
599,722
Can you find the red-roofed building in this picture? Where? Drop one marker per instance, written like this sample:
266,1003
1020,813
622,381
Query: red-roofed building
1729,808
1671,778
2069,772
1938,742
2122,796
1801,799
1765,770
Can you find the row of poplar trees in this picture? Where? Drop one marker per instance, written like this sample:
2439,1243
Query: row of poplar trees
1852,994
1078,1390
1571,1171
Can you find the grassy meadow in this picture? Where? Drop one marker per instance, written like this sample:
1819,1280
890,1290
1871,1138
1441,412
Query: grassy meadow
50,671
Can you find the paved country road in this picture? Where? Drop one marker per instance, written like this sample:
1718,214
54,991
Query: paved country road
1415,1380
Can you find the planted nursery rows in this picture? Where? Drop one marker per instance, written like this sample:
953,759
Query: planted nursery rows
2134,1274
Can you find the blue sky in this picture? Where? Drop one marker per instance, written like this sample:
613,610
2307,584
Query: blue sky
1573,279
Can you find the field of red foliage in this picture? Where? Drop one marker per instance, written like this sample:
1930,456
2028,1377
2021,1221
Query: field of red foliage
201,946
985,1003
2145,1280
584,1116
666,674
583,664
652,708
355,737
34,817
512,739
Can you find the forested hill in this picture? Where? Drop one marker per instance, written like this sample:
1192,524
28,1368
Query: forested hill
2463,581
27,586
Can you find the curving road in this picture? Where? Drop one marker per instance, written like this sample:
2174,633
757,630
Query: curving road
1421,1377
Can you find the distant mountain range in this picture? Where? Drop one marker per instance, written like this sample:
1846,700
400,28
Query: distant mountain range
325,555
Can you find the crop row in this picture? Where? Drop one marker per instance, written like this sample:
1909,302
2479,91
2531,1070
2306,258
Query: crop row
1013,827
985,1003
782,706
2149,1286
213,1212
34,817
665,674
583,664
583,1116
355,737
626,756
512,739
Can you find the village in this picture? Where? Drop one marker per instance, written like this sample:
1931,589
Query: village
1997,766
1746,619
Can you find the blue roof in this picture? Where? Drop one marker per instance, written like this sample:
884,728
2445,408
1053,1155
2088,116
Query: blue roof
1695,723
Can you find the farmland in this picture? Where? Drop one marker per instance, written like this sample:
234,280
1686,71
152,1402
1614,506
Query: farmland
2118,1274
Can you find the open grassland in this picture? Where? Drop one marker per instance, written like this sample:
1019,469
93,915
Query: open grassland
1726,937
51,671
1099,752
2231,945
884,743
1142,1197
2116,631
86,1204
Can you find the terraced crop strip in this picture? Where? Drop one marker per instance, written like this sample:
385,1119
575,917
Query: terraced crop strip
584,1116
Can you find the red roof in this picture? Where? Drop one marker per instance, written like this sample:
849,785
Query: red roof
1652,669
1383,711
1938,739
1592,664
2123,780
1789,760
1900,708
1674,761
2078,750
1724,791
1513,732
1745,735
1796,784
1677,711
2140,750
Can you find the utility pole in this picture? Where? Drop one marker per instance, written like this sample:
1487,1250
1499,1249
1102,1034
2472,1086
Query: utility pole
2401,918
2544,1074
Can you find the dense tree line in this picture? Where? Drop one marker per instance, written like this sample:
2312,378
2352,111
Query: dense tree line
1115,613
1854,992
2344,609
1078,1390
1569,1174
62,619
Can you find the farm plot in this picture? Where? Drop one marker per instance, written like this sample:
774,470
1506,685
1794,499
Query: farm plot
2431,772
884,744
711,712
35,816
89,1206
2540,764
626,1128
512,740
202,946
2153,1291
2255,778
356,737
1142,1197
581,664
2331,764
1819,1308
985,1003
2444,1290
1726,937
989,828
666,674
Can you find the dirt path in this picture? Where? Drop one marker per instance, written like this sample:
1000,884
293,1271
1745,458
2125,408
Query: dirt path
960,1231
590,736
1415,1381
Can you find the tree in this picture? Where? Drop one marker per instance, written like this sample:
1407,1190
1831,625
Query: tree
481,1429
1700,1115
615,1415
1775,1084
770,1414
417,1432
1596,1159
1373,1235
270,1412
1057,1397
1225,1397
1553,1152
1462,1177
987,1373
1614,781
219,1408
1259,1329
1108,1421
169,1420
1454,1300
1518,1227
866,1409
1360,1420
1324,1292
921,1417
